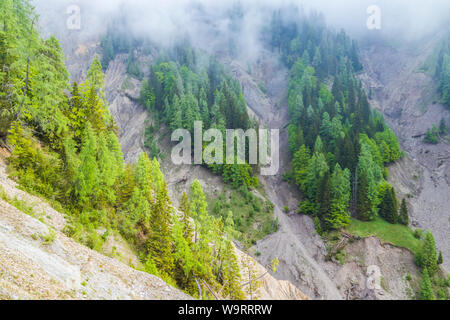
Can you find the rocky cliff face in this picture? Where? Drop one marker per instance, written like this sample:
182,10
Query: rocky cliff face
378,271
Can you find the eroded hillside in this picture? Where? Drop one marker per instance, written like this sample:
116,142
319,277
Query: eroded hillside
37,261
407,97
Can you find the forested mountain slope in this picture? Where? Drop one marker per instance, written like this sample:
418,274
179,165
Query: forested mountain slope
405,89
333,220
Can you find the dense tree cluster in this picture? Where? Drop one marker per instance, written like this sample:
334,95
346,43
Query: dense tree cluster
433,280
339,145
119,39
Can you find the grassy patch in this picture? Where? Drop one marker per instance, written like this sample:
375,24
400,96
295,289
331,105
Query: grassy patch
253,217
395,234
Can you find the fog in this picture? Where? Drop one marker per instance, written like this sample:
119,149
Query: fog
207,22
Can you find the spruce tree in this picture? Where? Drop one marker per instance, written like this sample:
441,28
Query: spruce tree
160,242
143,177
365,212
324,198
440,260
185,262
340,189
388,206
86,181
186,220
426,289
300,166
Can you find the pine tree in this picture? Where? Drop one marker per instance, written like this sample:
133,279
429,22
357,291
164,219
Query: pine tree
388,206
365,212
86,180
160,242
404,217
426,289
324,197
300,166
126,185
185,262
108,172
198,208
76,112
94,97
340,190
143,176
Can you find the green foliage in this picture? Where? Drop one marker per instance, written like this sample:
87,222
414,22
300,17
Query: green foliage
404,216
179,95
426,288
438,66
341,191
88,172
440,260
66,150
426,257
432,136
388,208
443,129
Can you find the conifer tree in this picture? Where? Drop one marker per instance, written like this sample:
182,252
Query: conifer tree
324,197
426,289
186,220
300,166
404,217
388,206
427,256
339,215
88,173
107,172
185,262
365,212
230,273
126,185
440,260
160,243
317,167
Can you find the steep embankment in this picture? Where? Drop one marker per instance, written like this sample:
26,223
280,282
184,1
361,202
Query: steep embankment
407,98
132,120
37,261
302,253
